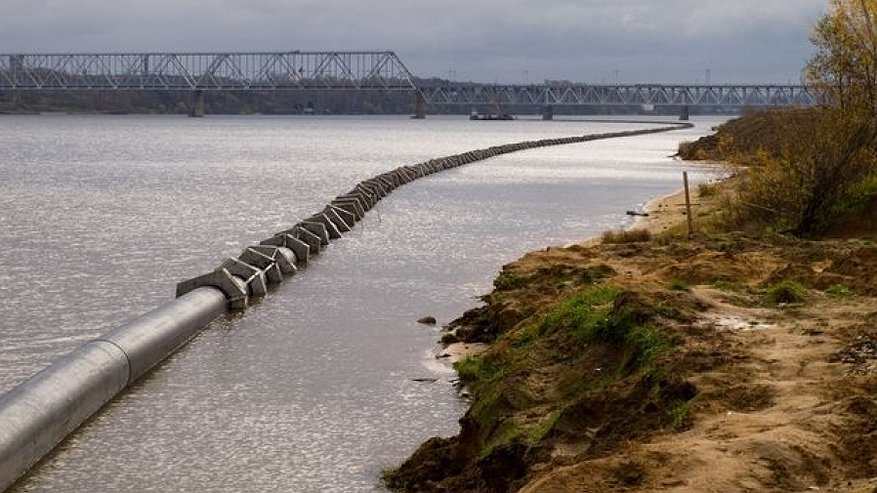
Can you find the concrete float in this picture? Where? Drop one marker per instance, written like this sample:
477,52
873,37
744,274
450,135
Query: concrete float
254,278
317,229
351,206
300,248
333,215
311,239
264,262
348,218
331,229
40,412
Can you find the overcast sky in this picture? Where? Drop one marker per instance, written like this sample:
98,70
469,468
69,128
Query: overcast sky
508,41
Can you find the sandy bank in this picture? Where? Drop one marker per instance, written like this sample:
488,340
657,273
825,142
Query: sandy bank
748,392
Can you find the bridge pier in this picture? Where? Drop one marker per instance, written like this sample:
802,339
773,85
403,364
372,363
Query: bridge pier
15,100
196,109
548,112
419,106
685,114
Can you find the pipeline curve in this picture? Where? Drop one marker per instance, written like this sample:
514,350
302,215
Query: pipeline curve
40,412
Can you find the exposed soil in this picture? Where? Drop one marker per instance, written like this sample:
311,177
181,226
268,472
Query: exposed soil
746,396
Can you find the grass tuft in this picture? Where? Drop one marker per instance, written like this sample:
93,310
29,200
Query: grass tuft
707,190
506,281
678,414
626,236
786,291
579,313
677,285
475,370
839,291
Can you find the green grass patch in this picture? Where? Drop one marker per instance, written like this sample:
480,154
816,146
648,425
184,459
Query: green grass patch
506,433
600,326
537,432
677,285
678,414
579,313
506,281
643,344
839,291
510,432
589,317
786,291
525,336
475,370
613,329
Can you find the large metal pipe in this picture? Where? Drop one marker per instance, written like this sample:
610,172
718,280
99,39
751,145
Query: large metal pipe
40,412
151,338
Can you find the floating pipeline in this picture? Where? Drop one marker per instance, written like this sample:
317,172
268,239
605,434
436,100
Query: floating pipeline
36,415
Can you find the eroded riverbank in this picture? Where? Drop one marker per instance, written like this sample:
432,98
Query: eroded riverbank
719,363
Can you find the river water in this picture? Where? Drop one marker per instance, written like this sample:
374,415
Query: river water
312,389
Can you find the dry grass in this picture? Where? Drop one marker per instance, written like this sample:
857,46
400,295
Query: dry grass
626,236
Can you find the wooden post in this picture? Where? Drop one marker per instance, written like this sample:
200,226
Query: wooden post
688,204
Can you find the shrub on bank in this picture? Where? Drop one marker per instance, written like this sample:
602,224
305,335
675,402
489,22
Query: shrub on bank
705,190
786,291
799,171
839,291
626,236
803,190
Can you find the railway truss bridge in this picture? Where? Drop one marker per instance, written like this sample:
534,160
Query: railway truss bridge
199,73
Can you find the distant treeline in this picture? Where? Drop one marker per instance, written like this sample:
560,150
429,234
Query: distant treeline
269,102
224,102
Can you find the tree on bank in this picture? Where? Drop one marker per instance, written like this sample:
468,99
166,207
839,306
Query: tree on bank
821,165
845,64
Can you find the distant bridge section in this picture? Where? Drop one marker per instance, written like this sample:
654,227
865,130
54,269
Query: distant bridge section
575,94
351,71
292,70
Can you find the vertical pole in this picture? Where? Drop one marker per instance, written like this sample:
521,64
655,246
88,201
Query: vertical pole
688,204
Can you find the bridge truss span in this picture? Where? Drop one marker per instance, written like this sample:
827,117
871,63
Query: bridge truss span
573,94
265,71
353,71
